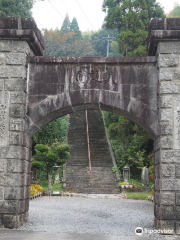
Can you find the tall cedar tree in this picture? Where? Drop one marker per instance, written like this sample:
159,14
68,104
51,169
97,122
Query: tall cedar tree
74,28
16,8
68,41
132,19
66,25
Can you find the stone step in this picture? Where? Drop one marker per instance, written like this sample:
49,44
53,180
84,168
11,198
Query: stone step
77,167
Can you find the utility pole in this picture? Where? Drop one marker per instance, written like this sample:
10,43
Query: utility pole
108,41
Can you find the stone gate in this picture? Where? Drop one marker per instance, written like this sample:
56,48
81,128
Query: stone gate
35,90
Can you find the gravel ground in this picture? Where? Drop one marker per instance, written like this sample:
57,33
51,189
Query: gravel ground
118,217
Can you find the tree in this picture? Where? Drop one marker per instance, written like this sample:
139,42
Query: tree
68,41
16,8
47,157
99,42
175,13
74,28
53,131
130,143
66,25
60,44
132,19
114,50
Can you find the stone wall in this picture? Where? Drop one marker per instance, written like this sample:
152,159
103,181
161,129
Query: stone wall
15,145
167,168
165,41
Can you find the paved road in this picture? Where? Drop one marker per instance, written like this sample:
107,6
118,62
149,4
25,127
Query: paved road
28,235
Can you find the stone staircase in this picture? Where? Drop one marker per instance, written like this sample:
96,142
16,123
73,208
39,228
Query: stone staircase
77,166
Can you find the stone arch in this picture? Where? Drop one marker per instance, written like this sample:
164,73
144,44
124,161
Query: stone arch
137,111
145,89
58,86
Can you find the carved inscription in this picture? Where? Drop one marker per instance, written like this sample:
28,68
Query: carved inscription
2,165
176,122
177,198
102,76
3,124
94,75
177,170
4,97
15,124
82,76
14,138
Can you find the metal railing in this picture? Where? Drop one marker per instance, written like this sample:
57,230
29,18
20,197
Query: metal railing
89,154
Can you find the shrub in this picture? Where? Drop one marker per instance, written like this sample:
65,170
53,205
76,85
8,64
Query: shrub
35,188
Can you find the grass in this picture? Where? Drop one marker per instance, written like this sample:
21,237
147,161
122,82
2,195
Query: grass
137,195
57,187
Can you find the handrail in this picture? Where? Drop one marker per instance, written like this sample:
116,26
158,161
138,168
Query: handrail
89,154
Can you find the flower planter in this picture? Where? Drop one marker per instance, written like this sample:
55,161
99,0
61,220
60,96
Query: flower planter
126,186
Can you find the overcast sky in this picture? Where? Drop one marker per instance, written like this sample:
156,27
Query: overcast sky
92,19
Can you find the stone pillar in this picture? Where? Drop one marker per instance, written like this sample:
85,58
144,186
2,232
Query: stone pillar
56,171
167,146
15,145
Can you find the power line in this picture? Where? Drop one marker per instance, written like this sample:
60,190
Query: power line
56,9
85,14
69,11
66,8
39,23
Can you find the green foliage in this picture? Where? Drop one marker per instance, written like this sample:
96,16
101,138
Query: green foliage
132,19
175,13
16,8
36,164
100,44
74,28
66,25
61,150
53,131
57,187
67,44
130,143
114,50
114,169
54,155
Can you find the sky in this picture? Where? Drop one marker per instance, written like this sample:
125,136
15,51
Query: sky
87,12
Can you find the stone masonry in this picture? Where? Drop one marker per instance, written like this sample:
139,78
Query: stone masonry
15,145
167,147
35,90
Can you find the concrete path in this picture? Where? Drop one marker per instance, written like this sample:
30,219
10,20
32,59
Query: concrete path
29,235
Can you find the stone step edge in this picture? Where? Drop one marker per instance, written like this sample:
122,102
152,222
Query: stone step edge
95,195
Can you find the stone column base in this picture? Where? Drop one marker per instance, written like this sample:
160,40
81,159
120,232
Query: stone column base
166,227
14,220
56,182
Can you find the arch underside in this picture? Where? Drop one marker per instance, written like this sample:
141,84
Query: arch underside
141,111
